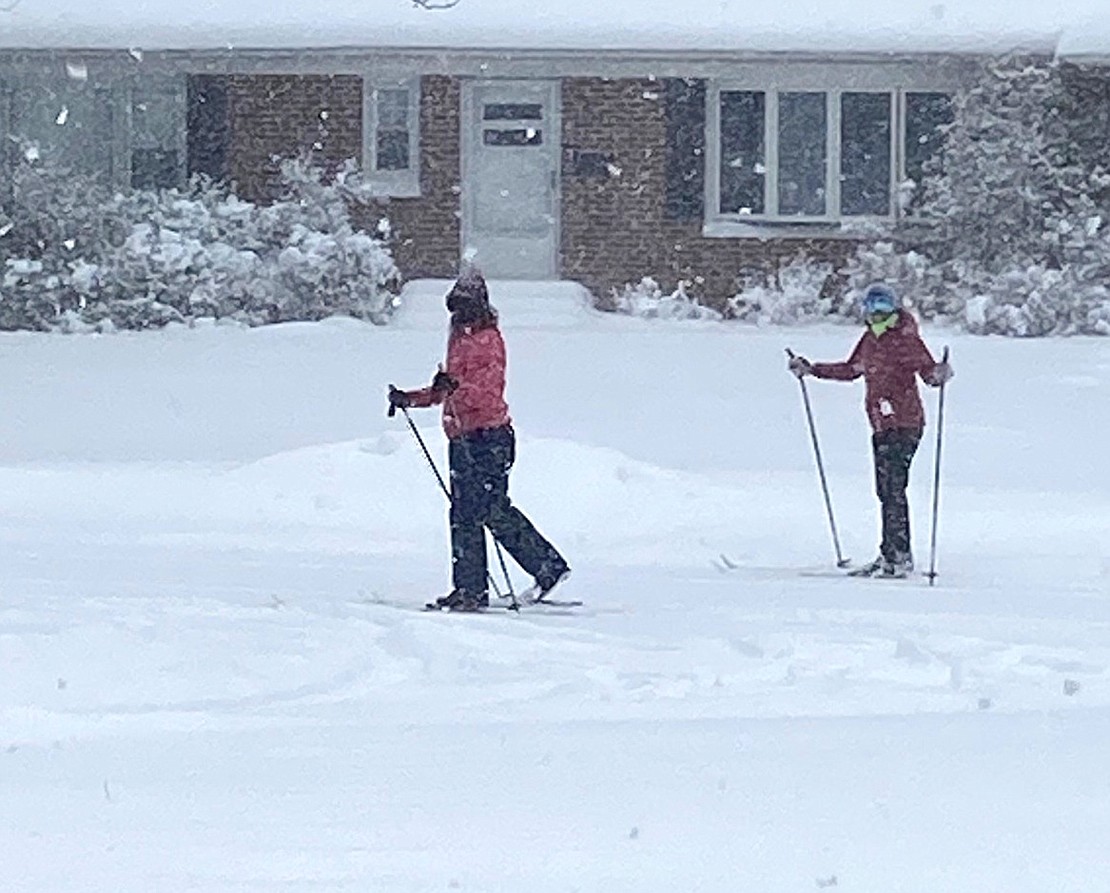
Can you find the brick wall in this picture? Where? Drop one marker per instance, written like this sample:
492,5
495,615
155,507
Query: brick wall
614,228
427,229
280,116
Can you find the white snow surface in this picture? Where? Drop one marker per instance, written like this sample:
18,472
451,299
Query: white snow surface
877,26
216,676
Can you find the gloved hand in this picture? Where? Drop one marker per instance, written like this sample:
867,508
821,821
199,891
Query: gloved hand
444,383
941,374
398,400
800,367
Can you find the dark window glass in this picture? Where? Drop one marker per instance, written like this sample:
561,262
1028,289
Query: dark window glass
208,130
865,153
392,143
393,150
743,171
154,169
926,113
802,154
524,136
512,111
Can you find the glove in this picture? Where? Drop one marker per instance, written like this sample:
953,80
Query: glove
398,400
942,373
800,367
444,383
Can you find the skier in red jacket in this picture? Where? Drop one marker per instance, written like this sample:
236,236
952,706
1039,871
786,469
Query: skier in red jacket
888,356
481,450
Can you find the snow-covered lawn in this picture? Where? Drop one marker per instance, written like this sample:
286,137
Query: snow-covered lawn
214,676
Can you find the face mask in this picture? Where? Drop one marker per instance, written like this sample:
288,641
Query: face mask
880,324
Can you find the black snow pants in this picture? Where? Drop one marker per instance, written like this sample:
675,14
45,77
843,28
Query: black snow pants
893,452
480,463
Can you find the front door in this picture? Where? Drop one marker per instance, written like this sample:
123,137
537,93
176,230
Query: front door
510,138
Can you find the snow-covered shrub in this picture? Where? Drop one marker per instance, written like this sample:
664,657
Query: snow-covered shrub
327,265
646,299
906,270
76,254
796,292
1019,244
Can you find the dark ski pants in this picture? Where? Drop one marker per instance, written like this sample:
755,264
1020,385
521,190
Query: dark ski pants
480,463
893,451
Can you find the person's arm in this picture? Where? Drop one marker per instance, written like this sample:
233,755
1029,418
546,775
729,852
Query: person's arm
442,385
849,370
921,361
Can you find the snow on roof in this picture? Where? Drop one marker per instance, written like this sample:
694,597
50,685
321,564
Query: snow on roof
860,26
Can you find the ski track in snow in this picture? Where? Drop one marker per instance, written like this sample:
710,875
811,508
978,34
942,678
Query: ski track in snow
148,655
217,676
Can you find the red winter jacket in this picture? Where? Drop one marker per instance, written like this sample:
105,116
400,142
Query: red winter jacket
476,360
888,364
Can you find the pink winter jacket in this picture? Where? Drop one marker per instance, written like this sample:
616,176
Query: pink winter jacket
476,360
889,365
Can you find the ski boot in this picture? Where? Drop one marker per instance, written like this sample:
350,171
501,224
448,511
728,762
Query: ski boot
463,602
544,584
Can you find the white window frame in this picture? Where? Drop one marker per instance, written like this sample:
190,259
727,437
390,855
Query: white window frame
833,81
402,183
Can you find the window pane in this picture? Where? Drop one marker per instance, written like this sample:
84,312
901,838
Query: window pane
925,114
393,150
157,123
865,153
393,136
524,136
802,154
742,153
393,109
513,111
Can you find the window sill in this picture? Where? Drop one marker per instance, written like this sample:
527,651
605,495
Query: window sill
773,229
392,189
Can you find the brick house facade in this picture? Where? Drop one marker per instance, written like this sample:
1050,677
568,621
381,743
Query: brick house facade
616,225
652,161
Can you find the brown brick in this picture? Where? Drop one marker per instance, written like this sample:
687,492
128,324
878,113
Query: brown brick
284,116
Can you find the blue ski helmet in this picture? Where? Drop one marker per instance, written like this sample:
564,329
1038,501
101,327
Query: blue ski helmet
879,298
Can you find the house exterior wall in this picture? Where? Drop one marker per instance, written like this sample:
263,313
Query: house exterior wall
280,116
426,230
615,223
616,227
271,117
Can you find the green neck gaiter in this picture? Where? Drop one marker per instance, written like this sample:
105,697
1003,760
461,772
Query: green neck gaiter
883,325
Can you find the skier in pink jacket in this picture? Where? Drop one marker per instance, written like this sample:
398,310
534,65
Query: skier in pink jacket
481,450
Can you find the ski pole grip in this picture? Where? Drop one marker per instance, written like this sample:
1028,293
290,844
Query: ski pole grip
392,408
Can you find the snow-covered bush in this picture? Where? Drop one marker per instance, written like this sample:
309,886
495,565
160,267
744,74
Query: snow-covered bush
76,254
797,291
1020,245
646,299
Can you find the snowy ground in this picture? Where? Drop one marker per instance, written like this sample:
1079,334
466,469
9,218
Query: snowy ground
214,676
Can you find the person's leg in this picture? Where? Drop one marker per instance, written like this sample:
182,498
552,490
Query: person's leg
508,523
894,451
469,508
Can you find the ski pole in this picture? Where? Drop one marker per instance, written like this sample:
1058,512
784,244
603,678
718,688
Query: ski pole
446,492
932,575
841,561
